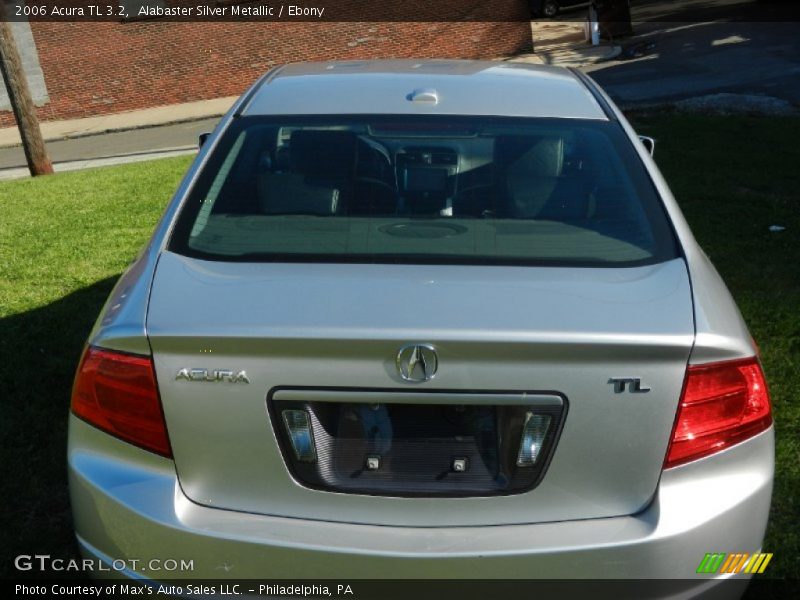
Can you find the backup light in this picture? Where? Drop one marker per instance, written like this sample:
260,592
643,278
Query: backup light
534,431
298,425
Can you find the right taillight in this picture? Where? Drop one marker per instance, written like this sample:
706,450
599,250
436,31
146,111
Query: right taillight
117,392
722,404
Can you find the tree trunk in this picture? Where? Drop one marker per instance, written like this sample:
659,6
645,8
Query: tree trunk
21,102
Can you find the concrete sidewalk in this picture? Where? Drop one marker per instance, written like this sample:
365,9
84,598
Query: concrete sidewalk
563,44
136,119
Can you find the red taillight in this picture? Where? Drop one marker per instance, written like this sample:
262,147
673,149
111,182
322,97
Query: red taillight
117,392
722,404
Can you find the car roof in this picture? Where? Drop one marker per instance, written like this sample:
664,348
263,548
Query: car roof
461,87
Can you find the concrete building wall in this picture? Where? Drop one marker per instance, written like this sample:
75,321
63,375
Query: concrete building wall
30,64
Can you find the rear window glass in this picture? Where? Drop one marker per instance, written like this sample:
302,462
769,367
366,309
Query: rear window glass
424,190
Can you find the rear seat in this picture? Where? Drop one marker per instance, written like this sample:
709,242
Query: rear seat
319,178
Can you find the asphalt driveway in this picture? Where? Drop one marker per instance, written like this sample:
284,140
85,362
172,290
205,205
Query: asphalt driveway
696,58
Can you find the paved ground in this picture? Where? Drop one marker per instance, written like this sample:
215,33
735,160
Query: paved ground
702,48
697,59
126,146
561,42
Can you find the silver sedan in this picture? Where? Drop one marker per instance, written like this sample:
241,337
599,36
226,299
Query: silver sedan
421,319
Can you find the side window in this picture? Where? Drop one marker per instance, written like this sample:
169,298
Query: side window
209,200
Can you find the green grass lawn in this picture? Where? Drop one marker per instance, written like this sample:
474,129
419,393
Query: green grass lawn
64,239
734,177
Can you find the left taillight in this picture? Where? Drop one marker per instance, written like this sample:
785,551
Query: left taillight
117,392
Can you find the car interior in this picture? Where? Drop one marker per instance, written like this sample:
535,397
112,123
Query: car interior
427,175
329,172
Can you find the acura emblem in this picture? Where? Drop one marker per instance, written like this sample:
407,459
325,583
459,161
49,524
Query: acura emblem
417,362
207,375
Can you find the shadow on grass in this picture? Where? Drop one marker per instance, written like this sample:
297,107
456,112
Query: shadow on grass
39,352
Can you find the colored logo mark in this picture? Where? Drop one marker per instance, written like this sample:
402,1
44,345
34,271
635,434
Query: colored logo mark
720,562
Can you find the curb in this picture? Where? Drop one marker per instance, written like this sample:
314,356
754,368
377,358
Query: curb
84,134
141,119
611,55
579,58
106,161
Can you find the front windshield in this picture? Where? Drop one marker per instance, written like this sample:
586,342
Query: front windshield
424,189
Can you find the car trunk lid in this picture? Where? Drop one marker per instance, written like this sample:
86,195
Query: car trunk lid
503,337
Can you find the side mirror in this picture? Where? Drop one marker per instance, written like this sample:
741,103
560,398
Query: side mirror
201,139
649,143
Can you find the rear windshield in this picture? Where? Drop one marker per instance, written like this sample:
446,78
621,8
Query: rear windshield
424,190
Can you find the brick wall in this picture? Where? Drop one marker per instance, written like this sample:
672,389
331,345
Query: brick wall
100,68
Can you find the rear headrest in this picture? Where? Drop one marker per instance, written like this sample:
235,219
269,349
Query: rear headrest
282,161
541,157
323,153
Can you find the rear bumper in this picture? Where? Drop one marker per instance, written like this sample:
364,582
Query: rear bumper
128,505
